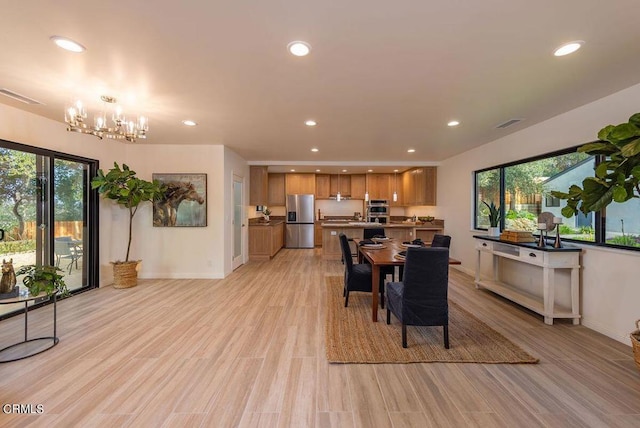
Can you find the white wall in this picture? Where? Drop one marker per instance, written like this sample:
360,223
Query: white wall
610,290
179,252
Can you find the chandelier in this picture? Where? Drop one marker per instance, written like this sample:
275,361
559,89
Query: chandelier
122,129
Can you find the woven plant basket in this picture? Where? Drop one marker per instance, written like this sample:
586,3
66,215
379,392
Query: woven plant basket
125,274
635,342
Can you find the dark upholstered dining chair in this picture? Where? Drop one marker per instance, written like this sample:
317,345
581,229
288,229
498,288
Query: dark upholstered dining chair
373,231
421,298
357,276
441,241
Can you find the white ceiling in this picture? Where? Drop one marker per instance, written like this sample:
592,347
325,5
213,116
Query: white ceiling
382,76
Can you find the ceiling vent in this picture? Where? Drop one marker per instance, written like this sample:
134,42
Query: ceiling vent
508,123
18,97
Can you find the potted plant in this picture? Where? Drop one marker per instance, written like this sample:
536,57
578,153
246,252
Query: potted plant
127,190
494,219
616,178
39,279
266,212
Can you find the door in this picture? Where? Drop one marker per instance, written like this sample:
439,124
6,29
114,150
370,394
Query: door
238,222
46,195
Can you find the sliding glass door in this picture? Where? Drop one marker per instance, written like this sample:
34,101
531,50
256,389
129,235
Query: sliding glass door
48,213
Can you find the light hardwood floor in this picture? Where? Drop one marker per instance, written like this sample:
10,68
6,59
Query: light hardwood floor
248,351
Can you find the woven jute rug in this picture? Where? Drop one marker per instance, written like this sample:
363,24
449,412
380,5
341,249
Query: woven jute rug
351,336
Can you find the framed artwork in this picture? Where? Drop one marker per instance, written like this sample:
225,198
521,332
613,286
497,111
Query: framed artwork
184,203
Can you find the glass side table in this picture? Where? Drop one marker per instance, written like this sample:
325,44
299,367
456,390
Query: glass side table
29,347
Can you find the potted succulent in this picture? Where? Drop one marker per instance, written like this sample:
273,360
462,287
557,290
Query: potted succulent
122,186
39,279
494,219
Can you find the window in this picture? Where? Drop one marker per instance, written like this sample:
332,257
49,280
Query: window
522,190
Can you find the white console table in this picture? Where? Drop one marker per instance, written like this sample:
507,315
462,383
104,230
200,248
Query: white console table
548,259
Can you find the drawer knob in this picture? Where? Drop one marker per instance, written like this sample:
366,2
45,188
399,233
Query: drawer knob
532,255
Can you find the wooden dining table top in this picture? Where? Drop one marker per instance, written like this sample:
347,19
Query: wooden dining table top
386,255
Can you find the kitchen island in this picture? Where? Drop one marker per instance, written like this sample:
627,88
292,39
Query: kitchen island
401,231
265,238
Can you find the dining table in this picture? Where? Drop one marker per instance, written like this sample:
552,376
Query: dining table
384,253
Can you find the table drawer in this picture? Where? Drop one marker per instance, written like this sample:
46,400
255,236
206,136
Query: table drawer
484,245
534,257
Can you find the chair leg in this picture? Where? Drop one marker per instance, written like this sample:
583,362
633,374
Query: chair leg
446,336
346,299
388,316
382,293
404,335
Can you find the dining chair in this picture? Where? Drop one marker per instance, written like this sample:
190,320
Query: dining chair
384,270
438,241
371,232
357,276
421,298
63,249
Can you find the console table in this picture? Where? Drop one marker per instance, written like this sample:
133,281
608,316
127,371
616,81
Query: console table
26,348
549,259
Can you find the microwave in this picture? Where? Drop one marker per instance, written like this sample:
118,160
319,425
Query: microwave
378,209
378,203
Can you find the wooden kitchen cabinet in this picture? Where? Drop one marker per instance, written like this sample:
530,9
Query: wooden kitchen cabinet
323,186
419,186
265,240
379,186
300,184
399,234
258,185
277,195
317,234
331,249
358,186
340,182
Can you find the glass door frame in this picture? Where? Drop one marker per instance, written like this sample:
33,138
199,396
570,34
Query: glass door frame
91,253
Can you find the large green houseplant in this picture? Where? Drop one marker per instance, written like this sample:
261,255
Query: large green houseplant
43,279
616,178
122,186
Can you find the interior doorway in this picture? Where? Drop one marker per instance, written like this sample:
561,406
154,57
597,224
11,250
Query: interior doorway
238,222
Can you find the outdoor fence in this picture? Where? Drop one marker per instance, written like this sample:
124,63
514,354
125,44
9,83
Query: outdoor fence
61,228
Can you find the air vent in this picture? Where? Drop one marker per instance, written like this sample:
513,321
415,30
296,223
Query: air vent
508,123
18,97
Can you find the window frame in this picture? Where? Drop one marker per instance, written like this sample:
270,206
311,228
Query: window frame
599,217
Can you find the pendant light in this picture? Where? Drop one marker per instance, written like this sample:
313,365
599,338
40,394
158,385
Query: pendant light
338,196
395,186
366,190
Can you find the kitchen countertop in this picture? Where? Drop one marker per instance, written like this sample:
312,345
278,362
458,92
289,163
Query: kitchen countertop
265,223
355,224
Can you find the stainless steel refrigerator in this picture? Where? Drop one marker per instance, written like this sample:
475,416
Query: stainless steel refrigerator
300,218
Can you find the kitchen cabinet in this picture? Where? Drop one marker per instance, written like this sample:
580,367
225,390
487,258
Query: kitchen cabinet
419,186
342,183
258,185
358,186
317,234
399,234
379,186
331,249
277,195
265,240
323,186
300,184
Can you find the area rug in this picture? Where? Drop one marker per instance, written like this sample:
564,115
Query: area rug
351,336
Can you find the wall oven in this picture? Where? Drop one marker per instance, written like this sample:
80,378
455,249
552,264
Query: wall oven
378,211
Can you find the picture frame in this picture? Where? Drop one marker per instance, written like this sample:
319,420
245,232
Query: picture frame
184,203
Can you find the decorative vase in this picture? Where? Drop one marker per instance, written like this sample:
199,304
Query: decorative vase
125,274
494,231
266,218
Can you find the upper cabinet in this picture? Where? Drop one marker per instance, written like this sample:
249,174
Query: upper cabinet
277,195
358,186
419,186
258,185
379,186
342,183
300,184
323,186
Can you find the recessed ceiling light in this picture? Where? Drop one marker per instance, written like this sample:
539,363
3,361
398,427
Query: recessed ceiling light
369,170
189,122
395,170
299,48
315,149
453,123
344,170
67,44
293,170
310,122
568,48
317,170
411,151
